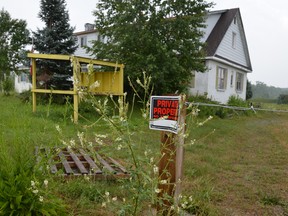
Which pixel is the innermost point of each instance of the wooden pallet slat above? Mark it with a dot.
(118, 165)
(77, 162)
(106, 165)
(65, 163)
(92, 164)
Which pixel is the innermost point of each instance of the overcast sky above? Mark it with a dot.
(265, 23)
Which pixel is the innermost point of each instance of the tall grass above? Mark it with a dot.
(231, 166)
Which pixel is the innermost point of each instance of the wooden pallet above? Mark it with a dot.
(73, 162)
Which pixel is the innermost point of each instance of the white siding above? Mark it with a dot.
(205, 83)
(22, 83)
(225, 48)
(81, 51)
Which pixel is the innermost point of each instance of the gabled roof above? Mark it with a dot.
(218, 32)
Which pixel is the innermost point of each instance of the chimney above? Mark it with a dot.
(89, 27)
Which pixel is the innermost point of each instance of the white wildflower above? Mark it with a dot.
(103, 204)
(144, 115)
(118, 139)
(114, 199)
(155, 169)
(46, 182)
(96, 84)
(72, 142)
(41, 198)
(145, 153)
(101, 135)
(164, 181)
(200, 124)
(119, 147)
(35, 191)
(157, 190)
(107, 193)
(151, 160)
(138, 81)
(192, 142)
(32, 183)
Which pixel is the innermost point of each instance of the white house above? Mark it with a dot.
(85, 39)
(21, 80)
(227, 56)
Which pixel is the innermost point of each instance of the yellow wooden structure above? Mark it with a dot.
(107, 82)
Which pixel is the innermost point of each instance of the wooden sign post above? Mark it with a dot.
(167, 113)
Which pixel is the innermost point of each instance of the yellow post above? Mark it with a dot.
(33, 70)
(76, 102)
(76, 72)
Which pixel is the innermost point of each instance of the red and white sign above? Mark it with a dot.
(164, 113)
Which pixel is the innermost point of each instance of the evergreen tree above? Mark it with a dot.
(249, 93)
(13, 38)
(161, 37)
(56, 37)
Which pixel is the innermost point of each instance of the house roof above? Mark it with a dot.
(218, 32)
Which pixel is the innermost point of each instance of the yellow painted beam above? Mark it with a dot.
(54, 91)
(48, 56)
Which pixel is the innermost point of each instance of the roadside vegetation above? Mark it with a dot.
(233, 166)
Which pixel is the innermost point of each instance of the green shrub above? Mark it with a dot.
(7, 85)
(24, 191)
(206, 111)
(236, 101)
(282, 99)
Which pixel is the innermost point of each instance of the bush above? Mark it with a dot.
(206, 111)
(24, 191)
(282, 99)
(7, 85)
(236, 101)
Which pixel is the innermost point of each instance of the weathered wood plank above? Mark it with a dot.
(105, 164)
(92, 164)
(78, 163)
(118, 165)
(65, 163)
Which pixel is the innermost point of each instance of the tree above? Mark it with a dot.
(13, 38)
(56, 37)
(249, 93)
(160, 37)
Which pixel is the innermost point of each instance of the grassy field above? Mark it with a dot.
(233, 166)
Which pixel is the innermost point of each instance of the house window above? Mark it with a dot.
(221, 78)
(231, 79)
(235, 20)
(23, 78)
(234, 40)
(239, 82)
(83, 41)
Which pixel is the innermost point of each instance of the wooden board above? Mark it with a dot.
(72, 162)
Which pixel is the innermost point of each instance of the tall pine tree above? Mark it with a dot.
(56, 37)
